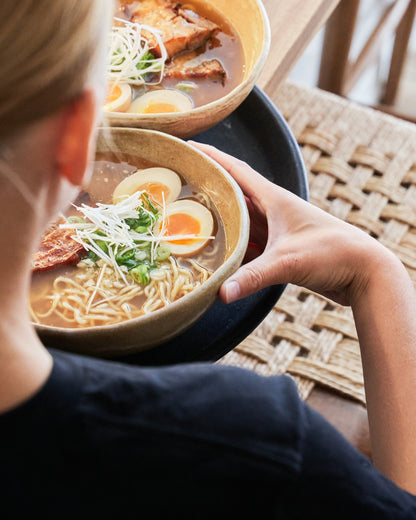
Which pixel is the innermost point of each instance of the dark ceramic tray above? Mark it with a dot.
(258, 134)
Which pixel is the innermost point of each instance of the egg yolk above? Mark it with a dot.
(159, 108)
(156, 191)
(182, 224)
(113, 94)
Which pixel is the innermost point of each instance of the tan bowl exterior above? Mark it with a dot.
(249, 19)
(160, 326)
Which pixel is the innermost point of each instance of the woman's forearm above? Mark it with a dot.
(385, 317)
(305, 246)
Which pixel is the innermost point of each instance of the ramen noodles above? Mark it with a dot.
(142, 237)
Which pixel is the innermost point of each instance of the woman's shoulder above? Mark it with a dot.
(209, 404)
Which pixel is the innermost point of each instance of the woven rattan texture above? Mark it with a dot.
(361, 167)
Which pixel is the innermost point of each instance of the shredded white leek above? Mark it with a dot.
(129, 50)
(107, 223)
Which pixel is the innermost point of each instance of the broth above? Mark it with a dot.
(225, 47)
(48, 286)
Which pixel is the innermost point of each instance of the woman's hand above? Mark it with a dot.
(303, 245)
(295, 242)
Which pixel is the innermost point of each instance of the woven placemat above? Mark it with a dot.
(361, 167)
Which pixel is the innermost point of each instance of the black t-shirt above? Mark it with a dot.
(109, 440)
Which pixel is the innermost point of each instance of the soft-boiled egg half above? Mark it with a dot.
(119, 97)
(186, 218)
(161, 102)
(161, 184)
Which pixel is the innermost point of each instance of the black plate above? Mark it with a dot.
(258, 134)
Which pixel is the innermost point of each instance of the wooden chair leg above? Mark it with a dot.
(403, 33)
(339, 32)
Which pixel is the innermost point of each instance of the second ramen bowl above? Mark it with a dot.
(249, 19)
(159, 326)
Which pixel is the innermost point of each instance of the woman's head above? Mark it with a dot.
(52, 58)
(50, 52)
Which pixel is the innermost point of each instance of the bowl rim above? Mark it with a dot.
(251, 78)
(225, 270)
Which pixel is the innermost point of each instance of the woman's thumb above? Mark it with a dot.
(249, 279)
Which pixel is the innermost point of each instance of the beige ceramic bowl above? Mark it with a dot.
(249, 19)
(155, 328)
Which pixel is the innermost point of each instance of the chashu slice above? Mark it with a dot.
(190, 66)
(181, 29)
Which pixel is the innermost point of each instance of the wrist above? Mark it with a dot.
(377, 269)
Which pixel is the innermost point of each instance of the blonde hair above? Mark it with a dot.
(49, 51)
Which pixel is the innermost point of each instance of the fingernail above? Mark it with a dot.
(232, 290)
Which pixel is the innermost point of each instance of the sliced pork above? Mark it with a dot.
(185, 67)
(182, 29)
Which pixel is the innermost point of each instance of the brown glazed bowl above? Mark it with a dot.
(249, 19)
(162, 325)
